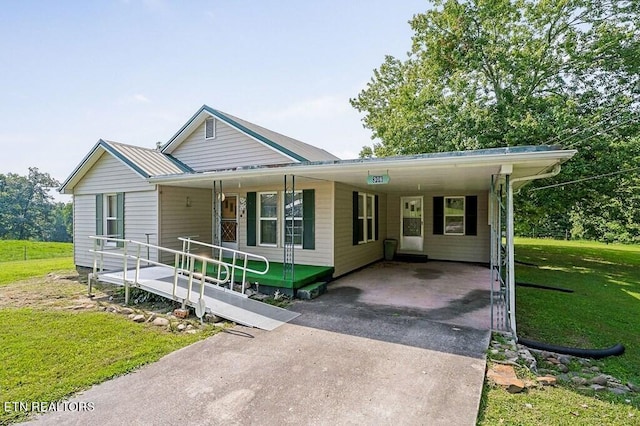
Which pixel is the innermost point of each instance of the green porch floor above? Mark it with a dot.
(303, 274)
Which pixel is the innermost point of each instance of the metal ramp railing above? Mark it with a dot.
(131, 251)
(235, 260)
(187, 279)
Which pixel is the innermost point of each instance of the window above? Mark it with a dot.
(454, 215)
(210, 128)
(364, 218)
(293, 214)
(268, 218)
(111, 215)
(262, 218)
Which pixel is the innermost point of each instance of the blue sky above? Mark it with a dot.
(133, 71)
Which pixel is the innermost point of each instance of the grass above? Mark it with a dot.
(48, 350)
(602, 311)
(11, 250)
(42, 258)
(49, 355)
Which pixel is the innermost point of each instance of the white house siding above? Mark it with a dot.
(84, 225)
(322, 255)
(177, 219)
(109, 175)
(464, 248)
(349, 257)
(229, 149)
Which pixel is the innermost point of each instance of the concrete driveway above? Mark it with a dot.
(345, 360)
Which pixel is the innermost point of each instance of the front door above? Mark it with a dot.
(411, 211)
(229, 222)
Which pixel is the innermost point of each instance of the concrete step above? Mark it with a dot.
(311, 291)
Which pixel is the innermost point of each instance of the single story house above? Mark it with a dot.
(234, 183)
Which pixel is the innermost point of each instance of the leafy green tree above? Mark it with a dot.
(25, 205)
(61, 223)
(492, 73)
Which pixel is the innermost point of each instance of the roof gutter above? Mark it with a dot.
(510, 234)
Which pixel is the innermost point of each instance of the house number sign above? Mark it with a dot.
(378, 179)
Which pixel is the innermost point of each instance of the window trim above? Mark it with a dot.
(364, 197)
(445, 215)
(259, 218)
(206, 122)
(106, 218)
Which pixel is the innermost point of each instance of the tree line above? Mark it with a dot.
(484, 74)
(28, 212)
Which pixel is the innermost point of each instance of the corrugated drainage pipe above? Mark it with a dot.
(617, 349)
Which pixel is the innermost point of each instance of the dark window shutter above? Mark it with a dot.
(99, 214)
(471, 215)
(355, 218)
(120, 218)
(438, 215)
(376, 210)
(251, 218)
(308, 219)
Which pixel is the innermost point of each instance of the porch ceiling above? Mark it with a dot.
(407, 174)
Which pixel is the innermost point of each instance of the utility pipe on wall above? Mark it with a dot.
(510, 234)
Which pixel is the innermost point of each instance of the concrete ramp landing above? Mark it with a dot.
(219, 301)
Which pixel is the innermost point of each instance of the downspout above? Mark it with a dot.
(510, 234)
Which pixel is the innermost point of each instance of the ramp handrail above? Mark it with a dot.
(235, 255)
(100, 242)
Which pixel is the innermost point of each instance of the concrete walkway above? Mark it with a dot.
(343, 361)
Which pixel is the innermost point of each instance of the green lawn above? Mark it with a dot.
(50, 352)
(27, 250)
(603, 310)
(22, 269)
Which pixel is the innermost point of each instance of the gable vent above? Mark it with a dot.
(210, 128)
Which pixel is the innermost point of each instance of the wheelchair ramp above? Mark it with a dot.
(218, 300)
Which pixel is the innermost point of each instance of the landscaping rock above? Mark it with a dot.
(563, 368)
(622, 390)
(633, 387)
(547, 380)
(161, 322)
(601, 380)
(564, 359)
(598, 388)
(212, 318)
(181, 327)
(505, 376)
(138, 318)
(578, 381)
(126, 311)
(181, 313)
(130, 316)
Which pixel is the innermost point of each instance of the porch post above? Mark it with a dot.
(217, 193)
(511, 284)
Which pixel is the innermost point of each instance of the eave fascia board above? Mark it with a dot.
(374, 164)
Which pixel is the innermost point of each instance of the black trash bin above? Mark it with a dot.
(390, 246)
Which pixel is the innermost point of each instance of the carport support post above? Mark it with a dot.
(511, 278)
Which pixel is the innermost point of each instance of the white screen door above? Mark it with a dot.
(411, 225)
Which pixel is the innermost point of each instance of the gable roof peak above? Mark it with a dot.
(296, 150)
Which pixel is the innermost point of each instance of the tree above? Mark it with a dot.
(491, 73)
(25, 205)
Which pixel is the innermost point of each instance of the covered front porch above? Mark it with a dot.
(337, 214)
